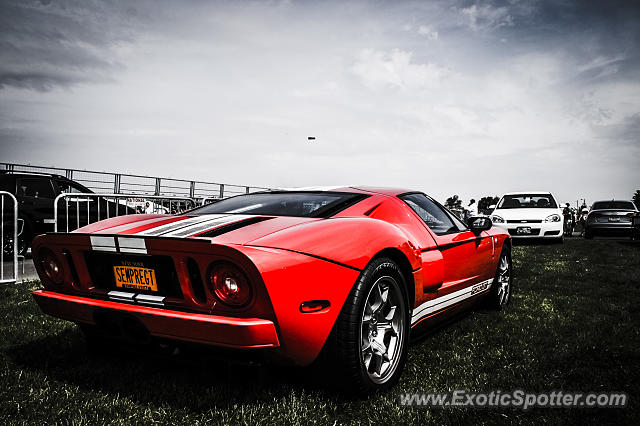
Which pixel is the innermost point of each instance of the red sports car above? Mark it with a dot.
(351, 271)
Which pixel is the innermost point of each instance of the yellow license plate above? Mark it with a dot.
(134, 277)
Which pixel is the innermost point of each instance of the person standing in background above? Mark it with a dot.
(472, 209)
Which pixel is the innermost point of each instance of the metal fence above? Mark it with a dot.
(9, 237)
(72, 211)
(120, 183)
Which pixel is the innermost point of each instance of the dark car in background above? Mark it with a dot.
(36, 193)
(613, 217)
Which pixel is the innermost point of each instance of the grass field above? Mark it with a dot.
(573, 324)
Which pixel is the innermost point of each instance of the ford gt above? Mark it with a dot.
(347, 272)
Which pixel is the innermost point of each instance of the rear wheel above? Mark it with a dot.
(372, 330)
(588, 233)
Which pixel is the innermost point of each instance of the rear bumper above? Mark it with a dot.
(613, 229)
(242, 333)
(610, 226)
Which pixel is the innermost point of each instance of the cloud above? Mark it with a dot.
(483, 17)
(50, 44)
(626, 130)
(428, 32)
(395, 69)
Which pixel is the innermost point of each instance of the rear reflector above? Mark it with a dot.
(72, 268)
(314, 306)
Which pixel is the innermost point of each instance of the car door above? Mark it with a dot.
(36, 196)
(466, 256)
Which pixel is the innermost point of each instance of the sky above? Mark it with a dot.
(466, 97)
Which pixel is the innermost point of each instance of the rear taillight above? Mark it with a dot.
(51, 265)
(229, 284)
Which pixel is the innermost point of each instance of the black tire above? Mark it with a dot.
(355, 356)
(496, 298)
(588, 233)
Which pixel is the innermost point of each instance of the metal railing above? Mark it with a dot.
(9, 236)
(122, 183)
(208, 200)
(76, 210)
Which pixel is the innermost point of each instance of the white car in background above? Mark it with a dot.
(533, 214)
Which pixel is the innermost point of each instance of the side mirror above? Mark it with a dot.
(478, 224)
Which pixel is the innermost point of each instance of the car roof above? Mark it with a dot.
(384, 191)
(350, 189)
(32, 174)
(527, 192)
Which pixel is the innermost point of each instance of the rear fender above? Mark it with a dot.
(293, 278)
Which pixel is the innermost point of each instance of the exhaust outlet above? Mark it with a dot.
(119, 326)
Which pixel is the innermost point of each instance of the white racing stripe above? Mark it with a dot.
(204, 226)
(128, 226)
(164, 229)
(442, 302)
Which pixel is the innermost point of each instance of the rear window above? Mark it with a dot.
(613, 205)
(527, 201)
(300, 204)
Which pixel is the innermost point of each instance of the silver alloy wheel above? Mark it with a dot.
(382, 329)
(504, 280)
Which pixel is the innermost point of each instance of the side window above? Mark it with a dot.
(35, 187)
(70, 187)
(6, 184)
(433, 215)
(461, 225)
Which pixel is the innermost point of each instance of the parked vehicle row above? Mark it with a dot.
(529, 215)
